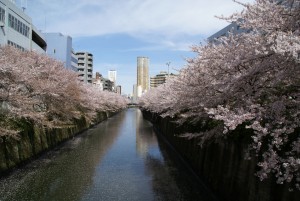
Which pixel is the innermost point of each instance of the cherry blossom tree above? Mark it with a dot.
(250, 80)
(37, 88)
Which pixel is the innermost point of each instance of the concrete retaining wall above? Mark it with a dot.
(221, 165)
(35, 140)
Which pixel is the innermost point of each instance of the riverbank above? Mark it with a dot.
(221, 164)
(35, 140)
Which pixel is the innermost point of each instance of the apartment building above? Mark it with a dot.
(85, 66)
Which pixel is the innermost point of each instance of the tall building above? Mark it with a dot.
(59, 47)
(85, 66)
(74, 61)
(119, 89)
(112, 76)
(16, 29)
(158, 79)
(143, 73)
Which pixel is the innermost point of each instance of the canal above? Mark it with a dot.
(119, 159)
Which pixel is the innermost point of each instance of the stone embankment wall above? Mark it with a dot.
(35, 140)
(221, 165)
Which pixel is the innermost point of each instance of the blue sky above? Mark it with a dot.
(116, 32)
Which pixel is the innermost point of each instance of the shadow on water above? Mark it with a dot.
(172, 179)
(120, 159)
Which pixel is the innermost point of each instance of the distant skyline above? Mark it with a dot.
(117, 32)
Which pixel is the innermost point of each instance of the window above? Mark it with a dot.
(2, 15)
(15, 45)
(18, 25)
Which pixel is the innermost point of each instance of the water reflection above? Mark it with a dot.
(63, 174)
(145, 138)
(120, 159)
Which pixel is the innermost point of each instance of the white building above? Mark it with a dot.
(16, 29)
(59, 47)
(112, 76)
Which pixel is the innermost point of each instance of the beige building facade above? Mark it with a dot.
(143, 73)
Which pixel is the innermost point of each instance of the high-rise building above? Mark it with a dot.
(143, 73)
(118, 89)
(85, 66)
(74, 61)
(60, 48)
(112, 76)
(16, 29)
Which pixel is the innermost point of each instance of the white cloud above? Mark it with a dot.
(166, 28)
(167, 18)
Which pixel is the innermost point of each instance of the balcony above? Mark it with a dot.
(80, 54)
(81, 78)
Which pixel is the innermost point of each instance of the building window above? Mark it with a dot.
(2, 15)
(15, 45)
(18, 25)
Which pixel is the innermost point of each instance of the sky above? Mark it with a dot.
(116, 32)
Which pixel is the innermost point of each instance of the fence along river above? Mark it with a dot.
(119, 159)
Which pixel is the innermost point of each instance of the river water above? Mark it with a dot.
(119, 159)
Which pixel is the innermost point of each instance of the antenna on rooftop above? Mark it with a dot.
(23, 5)
(168, 64)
